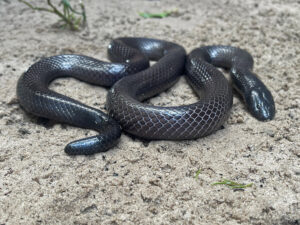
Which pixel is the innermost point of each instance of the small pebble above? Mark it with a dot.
(24, 131)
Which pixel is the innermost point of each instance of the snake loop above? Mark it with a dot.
(134, 81)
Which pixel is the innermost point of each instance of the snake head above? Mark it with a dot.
(260, 103)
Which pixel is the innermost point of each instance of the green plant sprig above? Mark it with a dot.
(158, 15)
(233, 184)
(68, 14)
(197, 173)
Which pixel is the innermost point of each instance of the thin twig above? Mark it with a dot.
(64, 18)
(67, 15)
(36, 8)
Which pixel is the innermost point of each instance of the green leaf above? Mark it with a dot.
(232, 184)
(156, 15)
(197, 173)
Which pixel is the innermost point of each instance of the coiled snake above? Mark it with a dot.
(134, 81)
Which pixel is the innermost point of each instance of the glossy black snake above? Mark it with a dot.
(134, 81)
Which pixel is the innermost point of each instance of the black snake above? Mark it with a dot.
(134, 81)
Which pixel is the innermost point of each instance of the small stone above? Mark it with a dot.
(271, 133)
(24, 131)
(13, 101)
(240, 119)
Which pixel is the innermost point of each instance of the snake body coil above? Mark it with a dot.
(134, 81)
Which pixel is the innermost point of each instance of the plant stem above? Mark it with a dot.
(36, 8)
(66, 15)
(64, 18)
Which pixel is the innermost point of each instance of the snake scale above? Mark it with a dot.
(133, 80)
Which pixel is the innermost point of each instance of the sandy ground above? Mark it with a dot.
(153, 182)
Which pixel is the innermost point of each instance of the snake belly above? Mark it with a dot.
(134, 81)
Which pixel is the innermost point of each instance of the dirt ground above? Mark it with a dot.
(154, 182)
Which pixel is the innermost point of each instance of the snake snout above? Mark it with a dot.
(261, 104)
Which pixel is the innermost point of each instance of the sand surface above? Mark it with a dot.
(153, 182)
